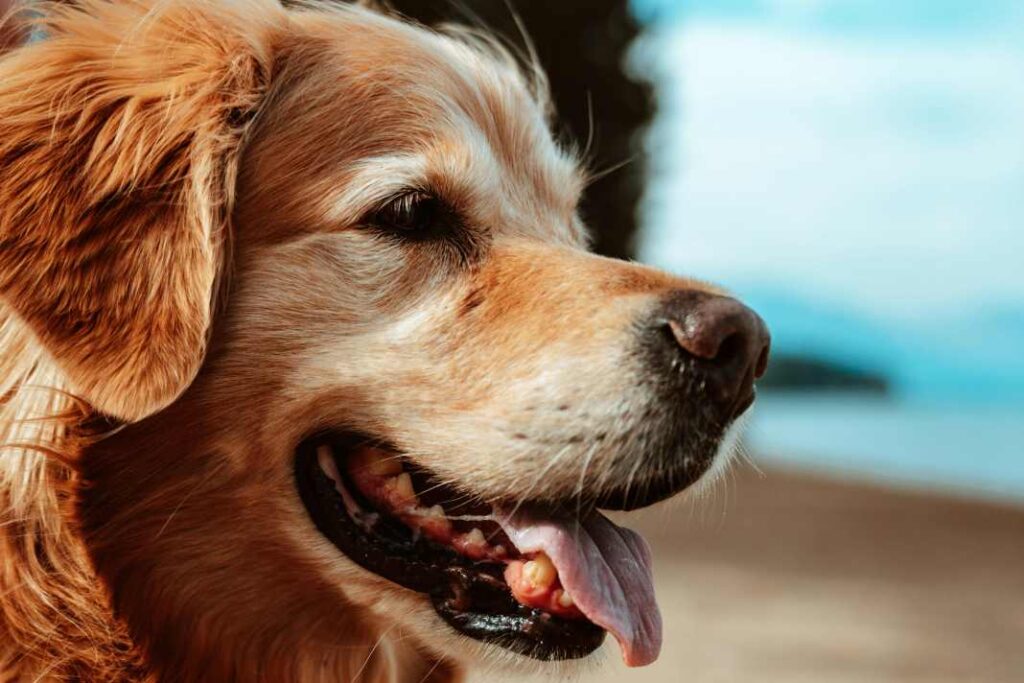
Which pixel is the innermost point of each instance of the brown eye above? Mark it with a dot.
(411, 214)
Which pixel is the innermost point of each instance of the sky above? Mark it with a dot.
(855, 169)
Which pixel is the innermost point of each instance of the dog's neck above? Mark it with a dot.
(55, 623)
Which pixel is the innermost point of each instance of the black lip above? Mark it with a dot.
(646, 493)
(678, 476)
(470, 596)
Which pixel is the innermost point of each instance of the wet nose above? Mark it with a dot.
(725, 343)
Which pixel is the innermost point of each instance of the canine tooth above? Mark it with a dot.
(565, 600)
(500, 550)
(476, 537)
(436, 511)
(403, 486)
(540, 571)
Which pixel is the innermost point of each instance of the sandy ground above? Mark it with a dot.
(792, 578)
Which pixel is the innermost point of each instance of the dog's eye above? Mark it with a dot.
(413, 214)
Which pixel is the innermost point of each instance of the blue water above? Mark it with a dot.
(974, 450)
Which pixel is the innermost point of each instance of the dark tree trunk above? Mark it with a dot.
(582, 45)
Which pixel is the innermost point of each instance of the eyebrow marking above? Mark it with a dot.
(373, 181)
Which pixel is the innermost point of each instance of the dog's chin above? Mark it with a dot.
(484, 566)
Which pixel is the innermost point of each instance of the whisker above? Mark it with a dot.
(543, 473)
(184, 499)
(370, 654)
(594, 177)
(582, 479)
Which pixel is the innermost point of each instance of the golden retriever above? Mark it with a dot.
(306, 373)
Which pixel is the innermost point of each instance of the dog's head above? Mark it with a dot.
(329, 268)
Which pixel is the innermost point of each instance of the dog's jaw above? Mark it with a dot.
(227, 580)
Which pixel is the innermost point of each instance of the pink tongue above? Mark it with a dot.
(605, 568)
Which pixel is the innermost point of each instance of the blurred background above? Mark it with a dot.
(854, 169)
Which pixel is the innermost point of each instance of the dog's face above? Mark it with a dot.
(409, 319)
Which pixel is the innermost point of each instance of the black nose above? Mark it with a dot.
(725, 343)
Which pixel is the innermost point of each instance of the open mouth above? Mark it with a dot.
(544, 584)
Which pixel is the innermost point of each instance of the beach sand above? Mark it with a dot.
(786, 577)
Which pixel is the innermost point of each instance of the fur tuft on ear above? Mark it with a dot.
(120, 132)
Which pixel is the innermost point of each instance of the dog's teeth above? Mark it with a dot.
(565, 600)
(437, 511)
(402, 484)
(476, 537)
(500, 550)
(540, 571)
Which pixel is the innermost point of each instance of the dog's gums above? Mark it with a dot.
(487, 569)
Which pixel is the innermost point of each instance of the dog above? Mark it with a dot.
(306, 372)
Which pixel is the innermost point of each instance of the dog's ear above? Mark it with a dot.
(119, 136)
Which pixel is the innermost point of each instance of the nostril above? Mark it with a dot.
(725, 343)
(697, 338)
(731, 348)
(709, 340)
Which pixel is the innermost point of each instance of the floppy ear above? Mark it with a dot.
(119, 140)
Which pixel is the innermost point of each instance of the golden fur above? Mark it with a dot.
(185, 293)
